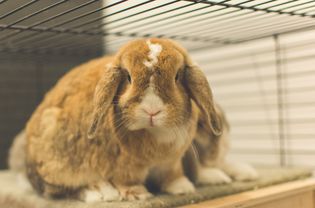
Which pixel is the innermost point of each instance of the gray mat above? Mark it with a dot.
(9, 187)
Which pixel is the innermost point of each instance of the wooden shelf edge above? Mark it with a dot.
(251, 198)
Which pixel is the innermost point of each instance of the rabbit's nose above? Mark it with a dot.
(152, 113)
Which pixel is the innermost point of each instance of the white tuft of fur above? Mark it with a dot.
(212, 176)
(109, 192)
(91, 196)
(155, 50)
(103, 192)
(240, 171)
(23, 183)
(180, 186)
(17, 154)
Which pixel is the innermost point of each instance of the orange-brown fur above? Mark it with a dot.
(211, 148)
(208, 149)
(206, 161)
(77, 137)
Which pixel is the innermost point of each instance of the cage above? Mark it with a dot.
(258, 56)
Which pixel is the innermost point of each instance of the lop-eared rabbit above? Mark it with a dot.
(109, 122)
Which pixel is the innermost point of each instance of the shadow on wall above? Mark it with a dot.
(23, 82)
(26, 76)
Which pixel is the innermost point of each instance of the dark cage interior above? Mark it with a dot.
(41, 40)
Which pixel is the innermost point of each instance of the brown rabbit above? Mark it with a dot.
(206, 163)
(108, 122)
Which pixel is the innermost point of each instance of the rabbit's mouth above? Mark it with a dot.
(147, 120)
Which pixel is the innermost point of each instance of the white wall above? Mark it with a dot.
(243, 78)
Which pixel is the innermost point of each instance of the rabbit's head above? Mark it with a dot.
(151, 83)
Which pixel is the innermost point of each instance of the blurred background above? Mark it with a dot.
(259, 57)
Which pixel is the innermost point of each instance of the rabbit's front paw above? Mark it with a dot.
(212, 176)
(91, 196)
(100, 192)
(132, 193)
(180, 186)
(241, 171)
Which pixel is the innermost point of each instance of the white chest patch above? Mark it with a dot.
(155, 50)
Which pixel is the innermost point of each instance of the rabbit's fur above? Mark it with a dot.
(95, 136)
(206, 163)
(16, 159)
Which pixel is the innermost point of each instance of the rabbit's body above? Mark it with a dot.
(54, 131)
(211, 165)
(90, 134)
(16, 159)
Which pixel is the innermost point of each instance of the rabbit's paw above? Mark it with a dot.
(131, 193)
(212, 176)
(100, 192)
(90, 196)
(180, 186)
(241, 171)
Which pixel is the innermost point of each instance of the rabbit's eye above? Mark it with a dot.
(129, 78)
(176, 77)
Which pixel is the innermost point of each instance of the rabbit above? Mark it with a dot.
(110, 122)
(16, 159)
(205, 162)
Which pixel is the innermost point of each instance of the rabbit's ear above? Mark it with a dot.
(199, 90)
(104, 94)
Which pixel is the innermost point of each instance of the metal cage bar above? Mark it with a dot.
(217, 22)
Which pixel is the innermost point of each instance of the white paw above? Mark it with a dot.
(90, 196)
(108, 192)
(212, 176)
(241, 171)
(180, 186)
(102, 192)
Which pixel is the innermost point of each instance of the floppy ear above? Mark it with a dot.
(199, 90)
(104, 94)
